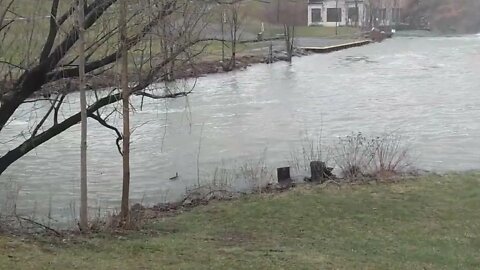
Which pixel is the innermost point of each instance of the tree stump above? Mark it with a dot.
(283, 174)
(320, 171)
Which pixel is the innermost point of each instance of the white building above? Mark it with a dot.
(353, 12)
(335, 12)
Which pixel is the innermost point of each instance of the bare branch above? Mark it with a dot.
(57, 109)
(104, 123)
(40, 124)
(167, 96)
(40, 225)
(52, 32)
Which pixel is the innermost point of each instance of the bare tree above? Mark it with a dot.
(83, 116)
(336, 19)
(126, 110)
(234, 21)
(357, 14)
(51, 70)
(374, 10)
(289, 33)
(223, 21)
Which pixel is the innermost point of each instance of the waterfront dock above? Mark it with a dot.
(336, 47)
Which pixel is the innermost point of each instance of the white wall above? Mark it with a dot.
(315, 6)
(332, 4)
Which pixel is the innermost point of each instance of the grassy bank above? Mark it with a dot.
(430, 223)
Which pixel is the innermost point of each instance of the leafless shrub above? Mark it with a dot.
(223, 178)
(14, 223)
(11, 194)
(358, 156)
(256, 174)
(9, 206)
(102, 220)
(353, 155)
(391, 156)
(311, 148)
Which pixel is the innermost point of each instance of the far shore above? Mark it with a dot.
(203, 67)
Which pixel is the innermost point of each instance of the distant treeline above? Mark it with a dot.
(460, 16)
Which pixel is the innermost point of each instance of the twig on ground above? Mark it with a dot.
(40, 225)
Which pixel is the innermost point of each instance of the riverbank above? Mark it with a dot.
(200, 69)
(210, 63)
(427, 223)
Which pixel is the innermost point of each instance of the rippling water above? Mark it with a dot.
(426, 89)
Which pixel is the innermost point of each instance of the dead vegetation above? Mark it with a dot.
(358, 156)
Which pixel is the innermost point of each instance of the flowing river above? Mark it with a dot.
(425, 89)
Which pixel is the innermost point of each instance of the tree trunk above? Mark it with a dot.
(289, 32)
(235, 27)
(223, 36)
(336, 19)
(357, 16)
(83, 115)
(126, 113)
(278, 11)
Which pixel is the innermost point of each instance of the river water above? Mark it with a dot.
(425, 89)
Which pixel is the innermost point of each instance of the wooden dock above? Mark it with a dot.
(335, 48)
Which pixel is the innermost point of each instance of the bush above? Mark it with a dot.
(358, 156)
(310, 149)
(353, 155)
(390, 156)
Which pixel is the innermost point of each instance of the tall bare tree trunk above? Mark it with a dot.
(83, 113)
(234, 36)
(278, 11)
(357, 14)
(126, 112)
(232, 17)
(336, 20)
(289, 33)
(223, 35)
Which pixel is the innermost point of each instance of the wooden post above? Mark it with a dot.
(270, 53)
(318, 170)
(283, 174)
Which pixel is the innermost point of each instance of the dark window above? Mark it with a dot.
(353, 14)
(316, 15)
(334, 15)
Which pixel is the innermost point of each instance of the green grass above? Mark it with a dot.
(213, 51)
(432, 223)
(253, 25)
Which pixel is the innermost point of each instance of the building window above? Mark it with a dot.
(316, 15)
(353, 14)
(334, 15)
